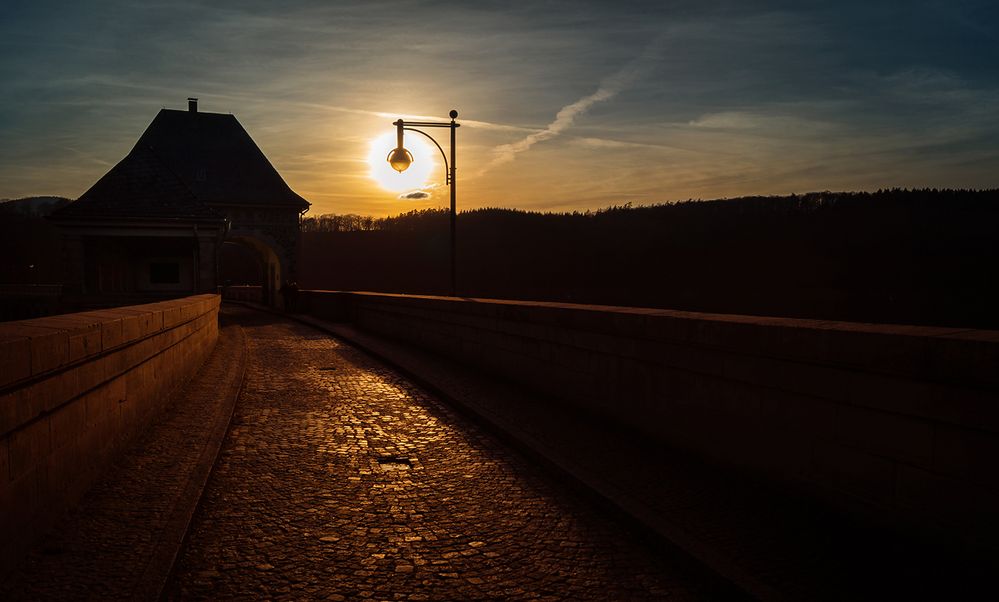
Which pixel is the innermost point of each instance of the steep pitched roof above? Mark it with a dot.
(139, 186)
(185, 162)
(217, 160)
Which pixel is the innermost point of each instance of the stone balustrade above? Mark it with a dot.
(77, 388)
(897, 423)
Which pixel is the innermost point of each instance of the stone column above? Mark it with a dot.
(73, 276)
(207, 260)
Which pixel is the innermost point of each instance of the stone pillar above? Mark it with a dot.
(207, 262)
(73, 277)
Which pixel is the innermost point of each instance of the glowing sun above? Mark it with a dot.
(413, 178)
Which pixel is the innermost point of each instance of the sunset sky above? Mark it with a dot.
(564, 104)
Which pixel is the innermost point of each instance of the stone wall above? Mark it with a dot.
(899, 423)
(75, 389)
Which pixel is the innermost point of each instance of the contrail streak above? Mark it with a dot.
(564, 119)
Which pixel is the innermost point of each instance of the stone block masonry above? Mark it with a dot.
(899, 424)
(74, 390)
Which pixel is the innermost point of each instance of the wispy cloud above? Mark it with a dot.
(609, 88)
(482, 125)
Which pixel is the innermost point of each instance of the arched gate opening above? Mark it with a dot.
(247, 262)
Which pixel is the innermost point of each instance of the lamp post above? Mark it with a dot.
(400, 159)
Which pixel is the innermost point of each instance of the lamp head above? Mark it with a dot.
(400, 159)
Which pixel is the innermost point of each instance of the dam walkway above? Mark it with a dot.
(339, 479)
(308, 460)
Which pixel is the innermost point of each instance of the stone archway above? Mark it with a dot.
(271, 232)
(273, 267)
(240, 265)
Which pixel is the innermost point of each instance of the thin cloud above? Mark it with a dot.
(567, 115)
(423, 192)
(484, 125)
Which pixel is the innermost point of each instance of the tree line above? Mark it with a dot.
(924, 256)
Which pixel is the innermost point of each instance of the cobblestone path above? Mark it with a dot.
(341, 480)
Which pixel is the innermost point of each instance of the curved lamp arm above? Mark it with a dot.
(447, 170)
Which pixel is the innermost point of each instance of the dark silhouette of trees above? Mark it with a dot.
(897, 256)
(894, 256)
(30, 246)
(350, 222)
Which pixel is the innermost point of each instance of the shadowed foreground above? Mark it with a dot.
(120, 540)
(341, 480)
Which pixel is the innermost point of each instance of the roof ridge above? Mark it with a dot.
(217, 159)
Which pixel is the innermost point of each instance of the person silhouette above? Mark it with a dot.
(289, 291)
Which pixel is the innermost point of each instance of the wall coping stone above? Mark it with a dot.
(894, 329)
(963, 357)
(48, 338)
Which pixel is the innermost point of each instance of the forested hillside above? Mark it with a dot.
(902, 256)
(30, 245)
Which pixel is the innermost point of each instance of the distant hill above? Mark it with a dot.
(32, 206)
(30, 247)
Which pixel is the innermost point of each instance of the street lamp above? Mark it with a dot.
(400, 159)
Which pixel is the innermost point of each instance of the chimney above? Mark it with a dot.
(192, 105)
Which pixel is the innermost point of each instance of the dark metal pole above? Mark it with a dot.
(454, 215)
(451, 172)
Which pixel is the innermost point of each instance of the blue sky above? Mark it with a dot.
(565, 105)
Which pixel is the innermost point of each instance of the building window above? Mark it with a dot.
(164, 273)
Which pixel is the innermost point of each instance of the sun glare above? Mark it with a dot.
(413, 178)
